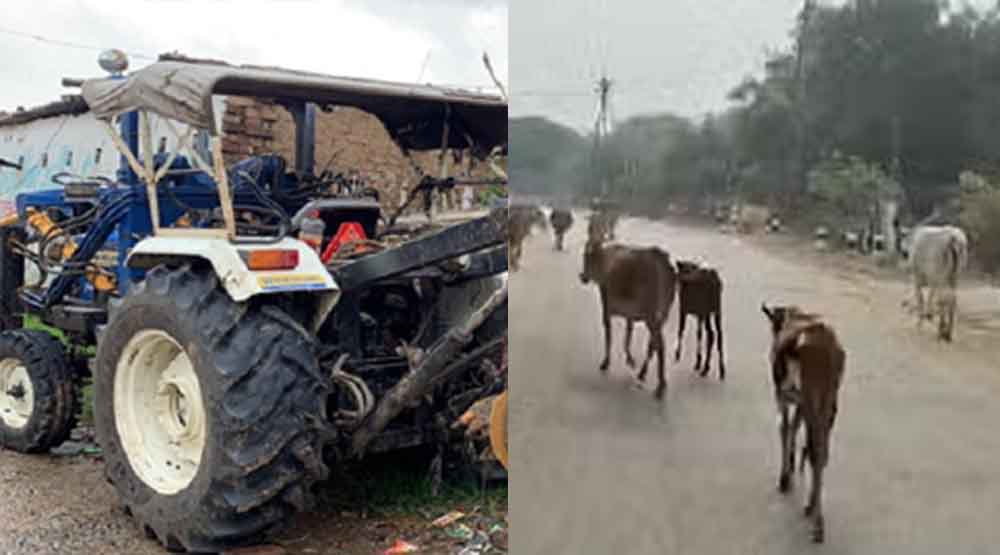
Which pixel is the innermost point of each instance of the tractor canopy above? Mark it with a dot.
(418, 117)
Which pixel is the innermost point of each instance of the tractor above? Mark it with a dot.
(246, 326)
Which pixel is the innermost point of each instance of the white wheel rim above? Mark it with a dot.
(17, 394)
(159, 411)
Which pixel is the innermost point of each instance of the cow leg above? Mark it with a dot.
(818, 438)
(680, 335)
(650, 351)
(946, 315)
(931, 303)
(718, 330)
(515, 256)
(786, 431)
(700, 325)
(952, 307)
(606, 319)
(629, 359)
(709, 343)
(921, 302)
(656, 339)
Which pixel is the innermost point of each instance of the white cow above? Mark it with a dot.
(938, 254)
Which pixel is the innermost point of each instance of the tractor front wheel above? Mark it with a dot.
(38, 397)
(208, 412)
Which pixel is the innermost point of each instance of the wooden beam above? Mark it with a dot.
(146, 137)
(222, 183)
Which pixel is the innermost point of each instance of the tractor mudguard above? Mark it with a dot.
(237, 279)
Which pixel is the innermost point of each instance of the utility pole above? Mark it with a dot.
(801, 95)
(601, 130)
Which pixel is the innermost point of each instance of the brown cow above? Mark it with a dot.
(522, 219)
(700, 294)
(637, 284)
(807, 366)
(561, 220)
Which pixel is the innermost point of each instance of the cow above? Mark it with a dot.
(937, 255)
(700, 295)
(638, 284)
(749, 218)
(807, 367)
(523, 218)
(601, 227)
(604, 218)
(561, 220)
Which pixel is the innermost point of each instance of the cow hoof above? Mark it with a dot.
(604, 366)
(808, 511)
(630, 362)
(785, 484)
(660, 391)
(818, 534)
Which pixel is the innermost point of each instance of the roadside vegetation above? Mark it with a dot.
(870, 99)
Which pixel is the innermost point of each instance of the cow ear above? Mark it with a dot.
(767, 312)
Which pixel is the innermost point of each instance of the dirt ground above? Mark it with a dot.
(56, 505)
(603, 468)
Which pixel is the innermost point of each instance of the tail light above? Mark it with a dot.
(271, 259)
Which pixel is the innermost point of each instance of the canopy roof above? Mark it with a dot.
(413, 114)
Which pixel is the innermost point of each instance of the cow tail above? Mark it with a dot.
(955, 259)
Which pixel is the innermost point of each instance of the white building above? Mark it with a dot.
(64, 137)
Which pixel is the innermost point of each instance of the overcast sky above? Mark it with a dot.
(679, 56)
(387, 39)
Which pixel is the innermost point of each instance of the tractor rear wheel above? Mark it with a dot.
(38, 397)
(208, 411)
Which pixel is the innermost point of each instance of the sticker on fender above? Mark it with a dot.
(278, 282)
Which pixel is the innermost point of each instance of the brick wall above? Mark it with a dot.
(348, 141)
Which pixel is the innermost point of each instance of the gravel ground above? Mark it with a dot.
(56, 505)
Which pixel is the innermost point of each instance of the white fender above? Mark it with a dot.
(240, 282)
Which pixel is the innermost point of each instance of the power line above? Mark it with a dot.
(67, 44)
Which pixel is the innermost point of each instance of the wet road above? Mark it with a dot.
(601, 468)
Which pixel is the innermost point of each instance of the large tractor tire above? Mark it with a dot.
(38, 397)
(210, 412)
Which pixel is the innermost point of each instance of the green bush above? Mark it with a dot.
(980, 217)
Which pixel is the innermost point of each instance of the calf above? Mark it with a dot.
(807, 365)
(637, 284)
(938, 254)
(700, 295)
(561, 221)
(522, 219)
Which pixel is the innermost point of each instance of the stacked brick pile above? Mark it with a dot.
(348, 141)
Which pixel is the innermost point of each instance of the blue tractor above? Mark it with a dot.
(245, 326)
